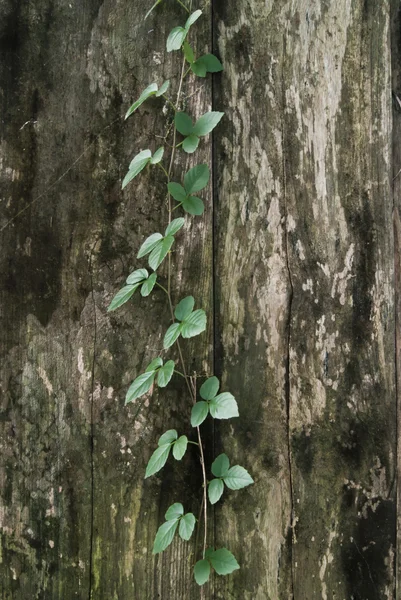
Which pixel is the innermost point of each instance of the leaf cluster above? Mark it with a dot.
(222, 561)
(190, 322)
(235, 478)
(221, 406)
(175, 518)
(167, 441)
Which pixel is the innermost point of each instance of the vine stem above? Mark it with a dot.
(202, 461)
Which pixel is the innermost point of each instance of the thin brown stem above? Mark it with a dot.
(202, 461)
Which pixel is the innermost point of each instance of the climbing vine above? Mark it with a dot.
(186, 321)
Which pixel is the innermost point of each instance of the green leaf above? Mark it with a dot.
(199, 69)
(199, 412)
(224, 406)
(138, 163)
(152, 9)
(183, 123)
(149, 91)
(176, 38)
(149, 284)
(163, 88)
(237, 478)
(206, 123)
(194, 324)
(196, 179)
(192, 18)
(177, 191)
(211, 63)
(174, 226)
(209, 388)
(187, 525)
(122, 296)
(158, 155)
(223, 561)
(165, 535)
(220, 465)
(184, 308)
(180, 447)
(160, 252)
(157, 460)
(215, 490)
(202, 571)
(175, 511)
(190, 144)
(193, 205)
(137, 276)
(149, 244)
(168, 437)
(140, 386)
(165, 373)
(155, 364)
(188, 52)
(172, 334)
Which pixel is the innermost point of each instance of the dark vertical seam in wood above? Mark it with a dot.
(92, 469)
(289, 308)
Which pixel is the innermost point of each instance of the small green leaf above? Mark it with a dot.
(152, 9)
(148, 285)
(190, 144)
(220, 465)
(160, 252)
(180, 447)
(199, 412)
(175, 511)
(174, 226)
(158, 155)
(122, 296)
(194, 324)
(223, 561)
(149, 244)
(165, 535)
(149, 91)
(137, 276)
(187, 525)
(237, 478)
(168, 437)
(202, 571)
(183, 123)
(209, 388)
(192, 18)
(157, 460)
(165, 373)
(193, 205)
(206, 123)
(215, 490)
(177, 191)
(184, 308)
(224, 406)
(155, 364)
(163, 88)
(199, 69)
(211, 63)
(176, 38)
(140, 386)
(188, 52)
(196, 179)
(137, 164)
(172, 334)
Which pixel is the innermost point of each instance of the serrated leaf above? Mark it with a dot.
(175, 511)
(177, 191)
(223, 561)
(180, 447)
(193, 205)
(140, 386)
(196, 179)
(158, 155)
(190, 144)
(174, 226)
(224, 406)
(137, 276)
(165, 373)
(168, 437)
(202, 571)
(207, 122)
(163, 88)
(165, 535)
(192, 18)
(148, 285)
(137, 164)
(176, 38)
(237, 478)
(187, 525)
(184, 308)
(183, 123)
(152, 9)
(215, 490)
(199, 69)
(122, 296)
(211, 63)
(194, 324)
(149, 91)
(199, 412)
(220, 465)
(155, 364)
(188, 52)
(172, 334)
(157, 460)
(149, 244)
(160, 252)
(209, 388)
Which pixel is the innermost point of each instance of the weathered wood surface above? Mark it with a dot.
(294, 261)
